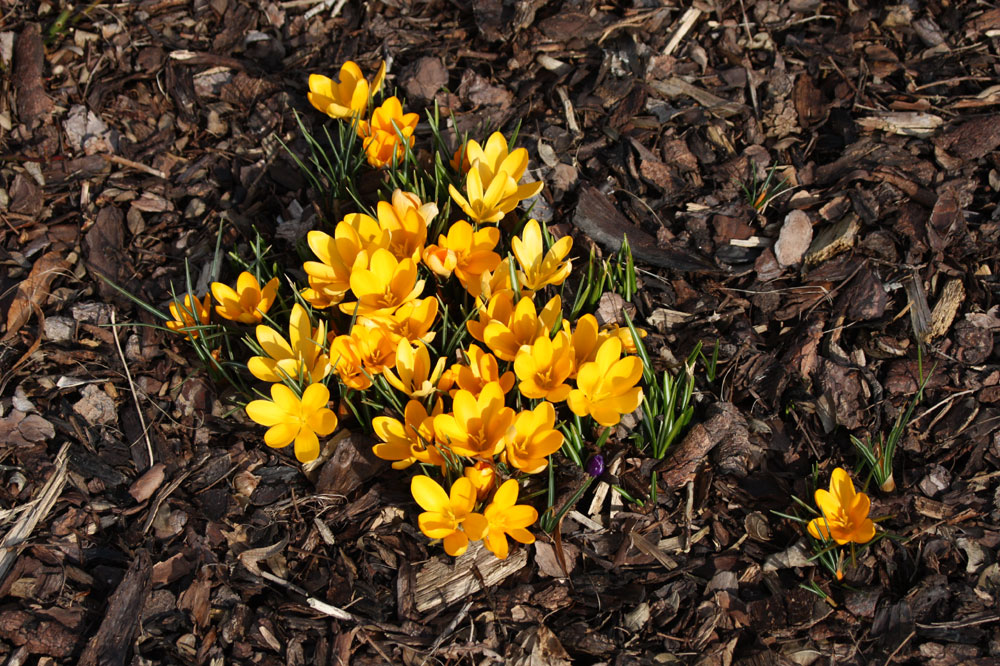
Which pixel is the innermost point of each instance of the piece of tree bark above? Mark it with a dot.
(111, 645)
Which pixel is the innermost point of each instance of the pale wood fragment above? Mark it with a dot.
(946, 308)
(41, 506)
(442, 582)
(833, 240)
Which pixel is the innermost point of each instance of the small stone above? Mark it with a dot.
(794, 239)
(60, 329)
(96, 406)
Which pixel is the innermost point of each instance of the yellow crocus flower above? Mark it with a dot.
(482, 368)
(606, 387)
(447, 517)
(302, 355)
(405, 219)
(466, 252)
(375, 346)
(290, 419)
(533, 439)
(845, 512)
(346, 360)
(505, 517)
(355, 237)
(384, 286)
(491, 183)
(477, 425)
(408, 441)
(184, 315)
(413, 320)
(539, 268)
(483, 477)
(348, 97)
(383, 138)
(248, 303)
(414, 375)
(544, 366)
(505, 338)
(586, 338)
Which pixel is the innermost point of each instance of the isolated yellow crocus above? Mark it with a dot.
(290, 419)
(606, 387)
(505, 517)
(384, 286)
(184, 315)
(533, 439)
(505, 338)
(248, 303)
(386, 138)
(301, 356)
(414, 375)
(845, 512)
(477, 425)
(538, 267)
(544, 366)
(447, 517)
(347, 97)
(408, 441)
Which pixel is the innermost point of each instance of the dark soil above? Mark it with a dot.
(131, 133)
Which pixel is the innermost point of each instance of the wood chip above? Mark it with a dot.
(945, 309)
(442, 582)
(833, 240)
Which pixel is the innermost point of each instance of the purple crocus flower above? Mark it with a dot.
(595, 466)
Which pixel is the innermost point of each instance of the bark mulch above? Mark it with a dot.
(131, 133)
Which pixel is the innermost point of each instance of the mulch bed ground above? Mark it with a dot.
(132, 133)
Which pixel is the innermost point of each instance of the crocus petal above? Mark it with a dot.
(306, 446)
(315, 397)
(281, 435)
(456, 543)
(265, 412)
(429, 495)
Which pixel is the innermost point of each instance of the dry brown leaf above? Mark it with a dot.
(33, 291)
